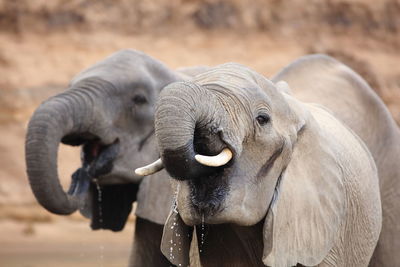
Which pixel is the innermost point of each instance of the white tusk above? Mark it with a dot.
(152, 168)
(215, 161)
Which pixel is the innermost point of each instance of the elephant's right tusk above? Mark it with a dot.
(215, 161)
(152, 168)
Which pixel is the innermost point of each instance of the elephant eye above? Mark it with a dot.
(139, 100)
(263, 119)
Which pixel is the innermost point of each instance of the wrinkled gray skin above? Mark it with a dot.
(301, 188)
(108, 109)
(324, 80)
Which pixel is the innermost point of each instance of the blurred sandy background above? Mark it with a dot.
(43, 44)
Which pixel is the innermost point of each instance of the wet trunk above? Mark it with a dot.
(59, 116)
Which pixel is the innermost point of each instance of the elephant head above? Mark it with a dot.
(109, 111)
(241, 150)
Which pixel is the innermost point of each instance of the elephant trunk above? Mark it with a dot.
(57, 117)
(185, 126)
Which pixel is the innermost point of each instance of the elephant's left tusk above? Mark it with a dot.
(215, 161)
(152, 168)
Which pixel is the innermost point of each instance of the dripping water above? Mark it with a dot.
(174, 227)
(99, 200)
(175, 200)
(201, 233)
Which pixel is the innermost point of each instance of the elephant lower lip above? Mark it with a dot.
(206, 209)
(207, 194)
(97, 157)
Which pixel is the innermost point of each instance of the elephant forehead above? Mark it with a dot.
(237, 79)
(230, 78)
(117, 75)
(128, 68)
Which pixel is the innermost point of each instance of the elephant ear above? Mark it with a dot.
(154, 199)
(305, 216)
(111, 205)
(176, 240)
(284, 87)
(108, 206)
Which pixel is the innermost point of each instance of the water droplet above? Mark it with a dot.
(175, 200)
(202, 234)
(99, 200)
(101, 255)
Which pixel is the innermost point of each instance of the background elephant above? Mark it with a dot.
(109, 111)
(324, 80)
(291, 185)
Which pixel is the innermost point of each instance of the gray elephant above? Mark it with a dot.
(109, 111)
(324, 80)
(265, 178)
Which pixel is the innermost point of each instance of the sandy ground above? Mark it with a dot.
(37, 66)
(63, 243)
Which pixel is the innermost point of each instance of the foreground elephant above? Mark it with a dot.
(289, 183)
(109, 111)
(323, 80)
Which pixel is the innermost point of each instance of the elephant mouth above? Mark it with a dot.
(97, 159)
(207, 194)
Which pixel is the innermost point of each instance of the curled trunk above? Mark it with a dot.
(184, 116)
(57, 117)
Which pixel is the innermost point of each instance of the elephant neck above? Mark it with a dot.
(230, 245)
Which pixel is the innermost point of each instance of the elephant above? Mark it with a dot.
(264, 178)
(108, 110)
(324, 80)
